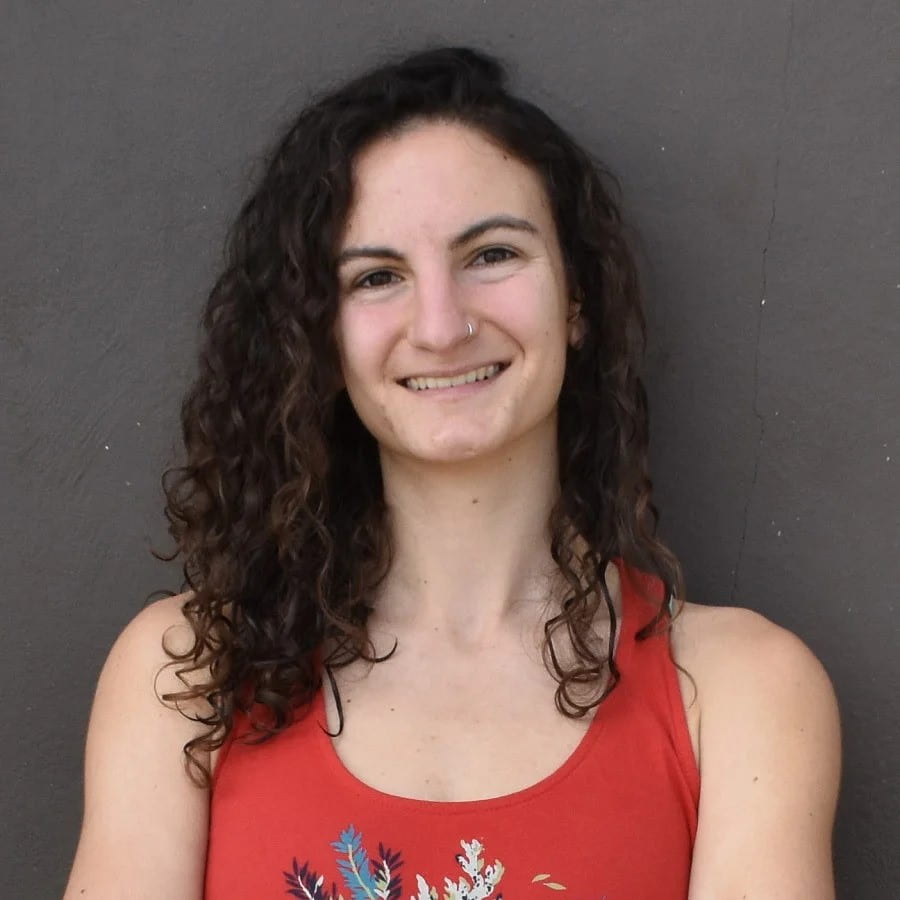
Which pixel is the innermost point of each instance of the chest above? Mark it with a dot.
(450, 733)
(452, 740)
(430, 736)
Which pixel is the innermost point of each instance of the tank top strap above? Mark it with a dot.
(641, 595)
(648, 670)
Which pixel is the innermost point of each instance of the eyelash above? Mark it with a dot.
(360, 282)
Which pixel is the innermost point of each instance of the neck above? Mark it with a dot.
(471, 543)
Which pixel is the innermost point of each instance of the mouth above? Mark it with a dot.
(432, 383)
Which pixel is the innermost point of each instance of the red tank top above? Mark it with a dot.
(616, 821)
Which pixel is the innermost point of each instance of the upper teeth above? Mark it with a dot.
(424, 384)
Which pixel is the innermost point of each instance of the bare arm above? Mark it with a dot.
(145, 823)
(770, 765)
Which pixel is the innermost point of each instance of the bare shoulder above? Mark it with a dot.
(159, 625)
(769, 755)
(729, 647)
(139, 670)
(144, 821)
(144, 633)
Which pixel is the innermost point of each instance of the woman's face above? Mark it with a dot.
(445, 229)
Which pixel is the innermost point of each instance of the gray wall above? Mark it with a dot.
(758, 146)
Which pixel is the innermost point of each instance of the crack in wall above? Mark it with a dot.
(762, 301)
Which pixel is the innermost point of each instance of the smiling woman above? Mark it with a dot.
(451, 201)
(427, 607)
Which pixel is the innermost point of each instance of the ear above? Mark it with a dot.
(577, 325)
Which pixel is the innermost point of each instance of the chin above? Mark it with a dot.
(454, 452)
(453, 448)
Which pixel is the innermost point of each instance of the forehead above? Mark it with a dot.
(439, 177)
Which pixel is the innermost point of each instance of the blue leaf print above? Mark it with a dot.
(355, 868)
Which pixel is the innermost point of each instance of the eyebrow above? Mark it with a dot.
(464, 237)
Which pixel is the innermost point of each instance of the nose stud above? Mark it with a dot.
(470, 330)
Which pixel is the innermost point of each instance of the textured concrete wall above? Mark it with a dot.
(758, 147)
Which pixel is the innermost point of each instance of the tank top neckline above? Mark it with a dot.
(336, 769)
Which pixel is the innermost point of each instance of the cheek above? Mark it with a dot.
(533, 314)
(363, 341)
(534, 295)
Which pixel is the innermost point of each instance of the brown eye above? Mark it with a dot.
(375, 279)
(494, 255)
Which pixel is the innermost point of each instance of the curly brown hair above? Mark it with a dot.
(278, 512)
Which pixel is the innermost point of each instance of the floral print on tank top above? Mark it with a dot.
(380, 878)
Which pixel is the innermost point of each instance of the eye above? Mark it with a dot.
(381, 278)
(377, 279)
(490, 255)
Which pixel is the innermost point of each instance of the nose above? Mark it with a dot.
(438, 320)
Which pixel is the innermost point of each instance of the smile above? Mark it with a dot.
(429, 383)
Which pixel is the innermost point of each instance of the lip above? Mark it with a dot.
(459, 390)
(452, 373)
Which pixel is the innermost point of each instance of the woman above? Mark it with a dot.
(416, 512)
